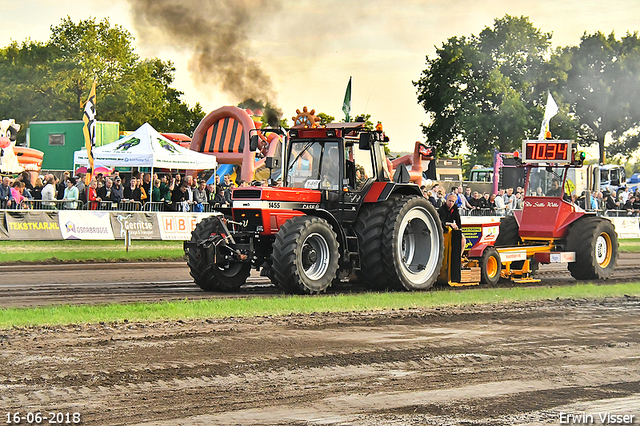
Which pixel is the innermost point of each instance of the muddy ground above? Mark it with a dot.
(488, 365)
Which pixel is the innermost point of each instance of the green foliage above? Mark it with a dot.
(51, 81)
(489, 90)
(603, 87)
(325, 119)
(485, 90)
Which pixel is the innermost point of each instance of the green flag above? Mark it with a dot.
(346, 104)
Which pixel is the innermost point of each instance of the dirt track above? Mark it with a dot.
(497, 365)
(54, 284)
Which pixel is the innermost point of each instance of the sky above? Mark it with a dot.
(302, 52)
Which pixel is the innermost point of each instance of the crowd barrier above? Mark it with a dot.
(126, 205)
(96, 225)
(55, 222)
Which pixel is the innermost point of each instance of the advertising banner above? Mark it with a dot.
(4, 234)
(141, 226)
(178, 226)
(626, 227)
(85, 225)
(33, 225)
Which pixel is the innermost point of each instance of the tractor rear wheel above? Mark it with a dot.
(369, 227)
(490, 266)
(413, 244)
(508, 235)
(207, 275)
(595, 242)
(305, 255)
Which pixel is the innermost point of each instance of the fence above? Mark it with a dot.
(128, 206)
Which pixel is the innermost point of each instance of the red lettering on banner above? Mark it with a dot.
(168, 224)
(182, 224)
(194, 222)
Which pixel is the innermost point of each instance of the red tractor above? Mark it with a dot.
(549, 228)
(337, 212)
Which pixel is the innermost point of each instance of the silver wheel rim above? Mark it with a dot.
(418, 246)
(601, 249)
(315, 256)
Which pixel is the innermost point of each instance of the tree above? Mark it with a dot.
(50, 81)
(486, 91)
(603, 88)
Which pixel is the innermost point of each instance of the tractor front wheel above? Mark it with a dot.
(490, 266)
(305, 255)
(595, 242)
(206, 274)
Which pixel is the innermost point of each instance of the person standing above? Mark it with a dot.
(117, 191)
(49, 193)
(199, 197)
(71, 195)
(6, 198)
(92, 195)
(450, 216)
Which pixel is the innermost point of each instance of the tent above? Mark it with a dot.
(146, 148)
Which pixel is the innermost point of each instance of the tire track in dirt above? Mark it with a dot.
(328, 366)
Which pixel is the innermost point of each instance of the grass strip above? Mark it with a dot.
(631, 245)
(284, 305)
(83, 250)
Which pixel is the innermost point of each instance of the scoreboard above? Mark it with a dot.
(546, 151)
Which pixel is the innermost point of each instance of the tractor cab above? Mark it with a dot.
(548, 206)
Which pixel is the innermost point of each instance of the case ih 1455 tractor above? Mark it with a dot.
(549, 228)
(324, 222)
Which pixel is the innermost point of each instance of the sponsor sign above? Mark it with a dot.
(472, 235)
(480, 234)
(626, 227)
(4, 234)
(85, 225)
(512, 256)
(33, 225)
(178, 226)
(141, 226)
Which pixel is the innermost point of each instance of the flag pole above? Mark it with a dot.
(89, 129)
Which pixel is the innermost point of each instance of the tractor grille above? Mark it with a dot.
(246, 194)
(252, 217)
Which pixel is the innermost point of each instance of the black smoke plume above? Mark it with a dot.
(218, 32)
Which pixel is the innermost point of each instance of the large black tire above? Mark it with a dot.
(490, 266)
(206, 274)
(369, 227)
(595, 242)
(413, 244)
(305, 255)
(508, 235)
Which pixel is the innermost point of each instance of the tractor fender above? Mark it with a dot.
(339, 230)
(381, 191)
(478, 249)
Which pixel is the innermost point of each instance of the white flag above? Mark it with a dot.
(550, 110)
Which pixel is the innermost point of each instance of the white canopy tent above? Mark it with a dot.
(146, 147)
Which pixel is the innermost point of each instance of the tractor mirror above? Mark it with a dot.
(365, 141)
(253, 142)
(272, 162)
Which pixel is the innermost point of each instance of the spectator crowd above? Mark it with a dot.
(474, 203)
(176, 192)
(138, 191)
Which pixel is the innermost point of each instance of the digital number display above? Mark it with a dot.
(558, 151)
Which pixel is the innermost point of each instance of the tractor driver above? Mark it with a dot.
(450, 216)
(555, 190)
(330, 169)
